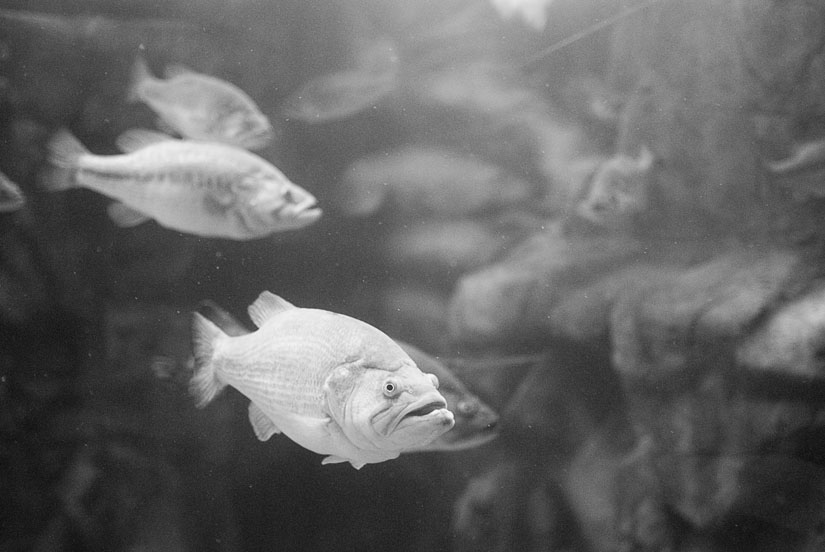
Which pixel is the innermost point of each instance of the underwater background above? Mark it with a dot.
(605, 217)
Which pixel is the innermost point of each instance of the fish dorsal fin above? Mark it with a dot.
(266, 306)
(139, 138)
(178, 70)
(124, 216)
(264, 427)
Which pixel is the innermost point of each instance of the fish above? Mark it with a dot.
(618, 191)
(475, 422)
(331, 383)
(11, 196)
(418, 181)
(201, 188)
(342, 94)
(201, 107)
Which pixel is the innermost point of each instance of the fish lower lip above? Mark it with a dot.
(426, 409)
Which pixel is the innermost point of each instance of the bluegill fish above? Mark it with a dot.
(201, 188)
(11, 196)
(475, 421)
(333, 384)
(201, 107)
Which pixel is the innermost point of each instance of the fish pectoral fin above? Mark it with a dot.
(138, 138)
(125, 216)
(266, 306)
(263, 426)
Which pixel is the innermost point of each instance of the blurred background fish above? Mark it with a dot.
(420, 180)
(342, 94)
(200, 107)
(201, 188)
(619, 191)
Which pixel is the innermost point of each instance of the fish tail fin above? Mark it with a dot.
(140, 75)
(65, 149)
(205, 384)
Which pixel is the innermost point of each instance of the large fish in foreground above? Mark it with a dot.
(201, 107)
(201, 188)
(475, 422)
(333, 384)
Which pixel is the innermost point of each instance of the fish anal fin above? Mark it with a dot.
(138, 138)
(125, 216)
(332, 459)
(263, 426)
(266, 306)
(165, 127)
(11, 196)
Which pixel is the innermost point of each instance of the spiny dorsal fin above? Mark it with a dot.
(138, 138)
(176, 70)
(266, 306)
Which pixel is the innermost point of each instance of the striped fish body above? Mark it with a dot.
(202, 188)
(186, 186)
(283, 366)
(331, 383)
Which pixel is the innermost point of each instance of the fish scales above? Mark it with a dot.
(270, 366)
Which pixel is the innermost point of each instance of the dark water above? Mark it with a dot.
(615, 244)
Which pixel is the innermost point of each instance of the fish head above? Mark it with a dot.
(393, 409)
(276, 204)
(247, 128)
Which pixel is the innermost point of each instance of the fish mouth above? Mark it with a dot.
(422, 408)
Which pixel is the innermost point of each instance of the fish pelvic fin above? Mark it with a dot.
(205, 384)
(140, 75)
(266, 306)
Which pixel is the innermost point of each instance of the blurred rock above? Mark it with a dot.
(511, 300)
(673, 322)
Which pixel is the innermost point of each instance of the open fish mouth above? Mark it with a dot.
(422, 408)
(426, 409)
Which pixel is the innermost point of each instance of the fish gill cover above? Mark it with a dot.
(603, 218)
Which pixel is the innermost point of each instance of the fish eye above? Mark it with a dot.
(467, 408)
(391, 388)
